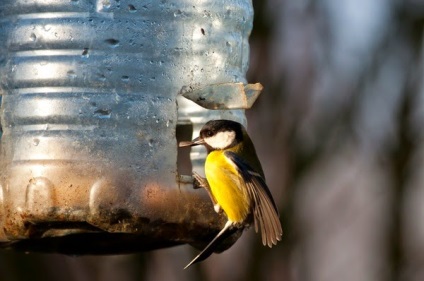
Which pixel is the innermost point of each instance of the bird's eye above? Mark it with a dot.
(209, 133)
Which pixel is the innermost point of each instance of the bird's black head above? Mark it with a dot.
(221, 134)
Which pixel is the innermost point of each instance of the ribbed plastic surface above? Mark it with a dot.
(89, 113)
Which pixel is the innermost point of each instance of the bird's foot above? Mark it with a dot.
(199, 181)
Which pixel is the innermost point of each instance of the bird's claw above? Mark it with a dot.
(199, 181)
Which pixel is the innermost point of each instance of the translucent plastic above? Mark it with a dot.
(89, 113)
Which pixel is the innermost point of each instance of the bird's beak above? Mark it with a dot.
(196, 141)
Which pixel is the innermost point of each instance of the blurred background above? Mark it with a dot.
(338, 130)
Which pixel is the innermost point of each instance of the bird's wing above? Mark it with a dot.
(226, 231)
(264, 209)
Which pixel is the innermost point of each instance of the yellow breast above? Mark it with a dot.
(227, 186)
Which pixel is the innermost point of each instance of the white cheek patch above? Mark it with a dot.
(221, 140)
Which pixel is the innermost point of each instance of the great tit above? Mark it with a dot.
(236, 184)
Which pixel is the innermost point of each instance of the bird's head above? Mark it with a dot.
(218, 135)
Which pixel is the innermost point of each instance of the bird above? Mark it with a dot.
(236, 184)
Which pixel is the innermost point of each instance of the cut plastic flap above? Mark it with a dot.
(223, 96)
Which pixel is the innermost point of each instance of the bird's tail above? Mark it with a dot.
(209, 249)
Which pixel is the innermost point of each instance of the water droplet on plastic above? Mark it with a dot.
(112, 42)
(71, 74)
(47, 27)
(178, 13)
(32, 37)
(35, 142)
(151, 142)
(101, 77)
(125, 78)
(131, 8)
(85, 53)
(102, 113)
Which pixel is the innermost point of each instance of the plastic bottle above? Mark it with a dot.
(89, 114)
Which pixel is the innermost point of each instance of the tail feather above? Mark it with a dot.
(209, 249)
